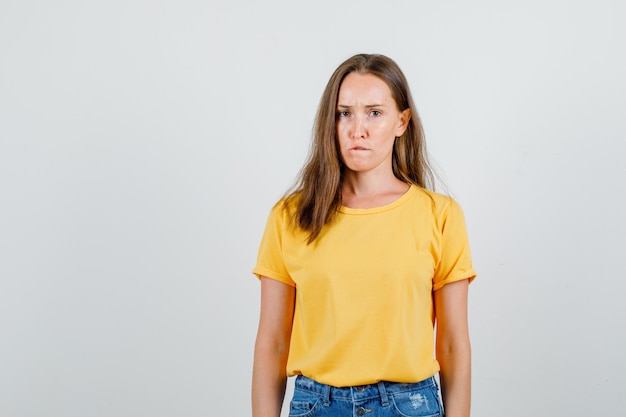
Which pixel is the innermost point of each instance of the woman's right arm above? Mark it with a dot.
(269, 375)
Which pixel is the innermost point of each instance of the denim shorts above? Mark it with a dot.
(383, 399)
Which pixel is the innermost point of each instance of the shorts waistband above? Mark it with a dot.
(376, 390)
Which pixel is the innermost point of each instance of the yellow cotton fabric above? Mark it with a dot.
(364, 310)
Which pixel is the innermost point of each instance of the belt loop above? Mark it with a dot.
(383, 394)
(326, 394)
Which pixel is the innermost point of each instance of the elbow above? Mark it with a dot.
(278, 350)
(272, 348)
(457, 347)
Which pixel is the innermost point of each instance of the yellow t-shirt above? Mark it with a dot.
(364, 310)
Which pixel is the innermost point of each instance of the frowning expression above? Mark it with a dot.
(368, 121)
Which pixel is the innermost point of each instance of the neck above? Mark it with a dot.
(363, 184)
(363, 190)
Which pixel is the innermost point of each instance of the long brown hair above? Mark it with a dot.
(317, 192)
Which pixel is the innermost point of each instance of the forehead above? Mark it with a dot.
(363, 88)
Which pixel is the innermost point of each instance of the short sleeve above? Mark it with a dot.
(270, 262)
(455, 260)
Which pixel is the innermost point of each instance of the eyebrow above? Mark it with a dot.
(343, 106)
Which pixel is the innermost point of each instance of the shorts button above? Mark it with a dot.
(361, 388)
(360, 411)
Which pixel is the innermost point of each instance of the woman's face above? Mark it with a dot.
(368, 121)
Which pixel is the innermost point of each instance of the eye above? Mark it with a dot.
(343, 113)
(375, 113)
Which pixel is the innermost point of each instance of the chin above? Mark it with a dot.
(358, 168)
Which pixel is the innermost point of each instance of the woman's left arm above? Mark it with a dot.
(453, 347)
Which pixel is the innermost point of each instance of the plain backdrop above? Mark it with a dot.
(143, 143)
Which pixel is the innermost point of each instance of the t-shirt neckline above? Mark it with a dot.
(372, 210)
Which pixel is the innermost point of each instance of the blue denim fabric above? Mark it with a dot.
(384, 399)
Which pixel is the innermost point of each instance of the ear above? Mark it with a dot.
(403, 122)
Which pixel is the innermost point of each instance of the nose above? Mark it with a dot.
(359, 128)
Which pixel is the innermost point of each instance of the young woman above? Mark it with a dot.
(360, 262)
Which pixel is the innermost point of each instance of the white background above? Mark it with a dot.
(143, 143)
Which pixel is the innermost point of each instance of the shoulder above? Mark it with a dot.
(287, 205)
(284, 210)
(443, 208)
(439, 203)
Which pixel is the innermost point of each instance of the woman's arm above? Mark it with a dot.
(269, 376)
(453, 348)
